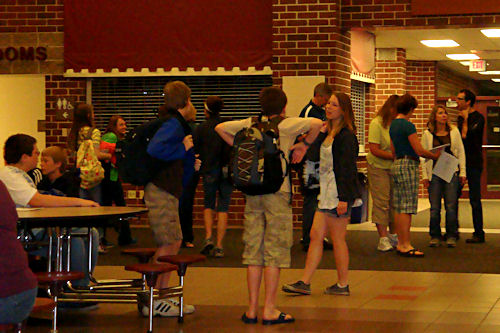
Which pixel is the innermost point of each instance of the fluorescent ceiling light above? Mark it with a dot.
(439, 43)
(490, 73)
(465, 63)
(491, 32)
(495, 80)
(465, 56)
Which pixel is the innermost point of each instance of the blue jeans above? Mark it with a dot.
(438, 189)
(16, 308)
(474, 180)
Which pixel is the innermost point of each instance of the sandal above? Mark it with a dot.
(413, 253)
(247, 320)
(280, 320)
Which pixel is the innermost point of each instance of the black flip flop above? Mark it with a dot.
(247, 320)
(411, 253)
(280, 320)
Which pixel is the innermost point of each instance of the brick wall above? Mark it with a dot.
(31, 16)
(307, 41)
(370, 13)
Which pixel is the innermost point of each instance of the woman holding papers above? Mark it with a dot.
(406, 148)
(439, 132)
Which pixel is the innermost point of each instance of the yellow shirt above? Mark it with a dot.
(380, 135)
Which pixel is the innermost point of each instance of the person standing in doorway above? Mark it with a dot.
(310, 167)
(471, 126)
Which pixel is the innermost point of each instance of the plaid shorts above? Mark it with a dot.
(405, 191)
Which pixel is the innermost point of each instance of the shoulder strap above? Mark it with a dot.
(89, 134)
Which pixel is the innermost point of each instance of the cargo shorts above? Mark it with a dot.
(163, 215)
(268, 230)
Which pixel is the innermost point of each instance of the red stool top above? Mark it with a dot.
(49, 277)
(182, 259)
(143, 252)
(42, 304)
(151, 268)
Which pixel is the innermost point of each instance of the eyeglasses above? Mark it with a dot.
(461, 98)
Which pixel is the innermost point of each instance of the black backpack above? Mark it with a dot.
(255, 164)
(135, 165)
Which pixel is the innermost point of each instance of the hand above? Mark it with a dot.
(88, 203)
(188, 142)
(462, 181)
(341, 208)
(438, 153)
(299, 150)
(197, 162)
(324, 128)
(426, 183)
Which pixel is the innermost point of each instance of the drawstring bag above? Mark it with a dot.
(91, 170)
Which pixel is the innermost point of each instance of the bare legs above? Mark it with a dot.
(403, 223)
(165, 250)
(208, 215)
(337, 227)
(271, 280)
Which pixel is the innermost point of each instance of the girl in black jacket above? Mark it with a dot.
(339, 191)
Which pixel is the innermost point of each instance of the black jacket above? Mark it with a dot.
(345, 150)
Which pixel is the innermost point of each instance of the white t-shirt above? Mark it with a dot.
(20, 186)
(289, 129)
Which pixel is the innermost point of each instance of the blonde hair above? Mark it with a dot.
(58, 155)
(431, 123)
(347, 115)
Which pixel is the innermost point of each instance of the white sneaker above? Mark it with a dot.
(166, 308)
(393, 238)
(384, 244)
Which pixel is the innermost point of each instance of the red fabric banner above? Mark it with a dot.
(167, 33)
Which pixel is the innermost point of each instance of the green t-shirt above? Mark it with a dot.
(380, 135)
(111, 137)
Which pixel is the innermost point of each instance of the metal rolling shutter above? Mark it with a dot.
(358, 89)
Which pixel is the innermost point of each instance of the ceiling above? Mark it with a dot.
(469, 39)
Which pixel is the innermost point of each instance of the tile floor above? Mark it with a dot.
(379, 302)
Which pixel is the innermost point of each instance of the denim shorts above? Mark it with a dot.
(215, 185)
(333, 212)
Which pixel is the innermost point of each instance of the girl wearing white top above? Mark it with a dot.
(440, 132)
(339, 192)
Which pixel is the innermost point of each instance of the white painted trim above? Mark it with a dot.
(205, 71)
(362, 77)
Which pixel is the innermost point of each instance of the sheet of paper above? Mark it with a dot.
(438, 147)
(445, 167)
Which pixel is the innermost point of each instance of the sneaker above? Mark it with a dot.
(384, 244)
(101, 249)
(207, 247)
(475, 240)
(166, 308)
(393, 238)
(451, 242)
(435, 242)
(298, 287)
(219, 252)
(336, 290)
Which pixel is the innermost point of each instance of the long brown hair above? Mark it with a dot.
(347, 117)
(113, 122)
(387, 111)
(82, 116)
(431, 123)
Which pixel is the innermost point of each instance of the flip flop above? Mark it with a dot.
(411, 253)
(247, 320)
(280, 320)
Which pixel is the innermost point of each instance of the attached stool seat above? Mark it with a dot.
(182, 261)
(150, 273)
(142, 254)
(55, 282)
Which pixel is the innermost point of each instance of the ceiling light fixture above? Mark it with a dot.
(465, 63)
(492, 33)
(495, 80)
(490, 73)
(465, 56)
(439, 43)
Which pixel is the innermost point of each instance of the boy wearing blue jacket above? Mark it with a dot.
(172, 144)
